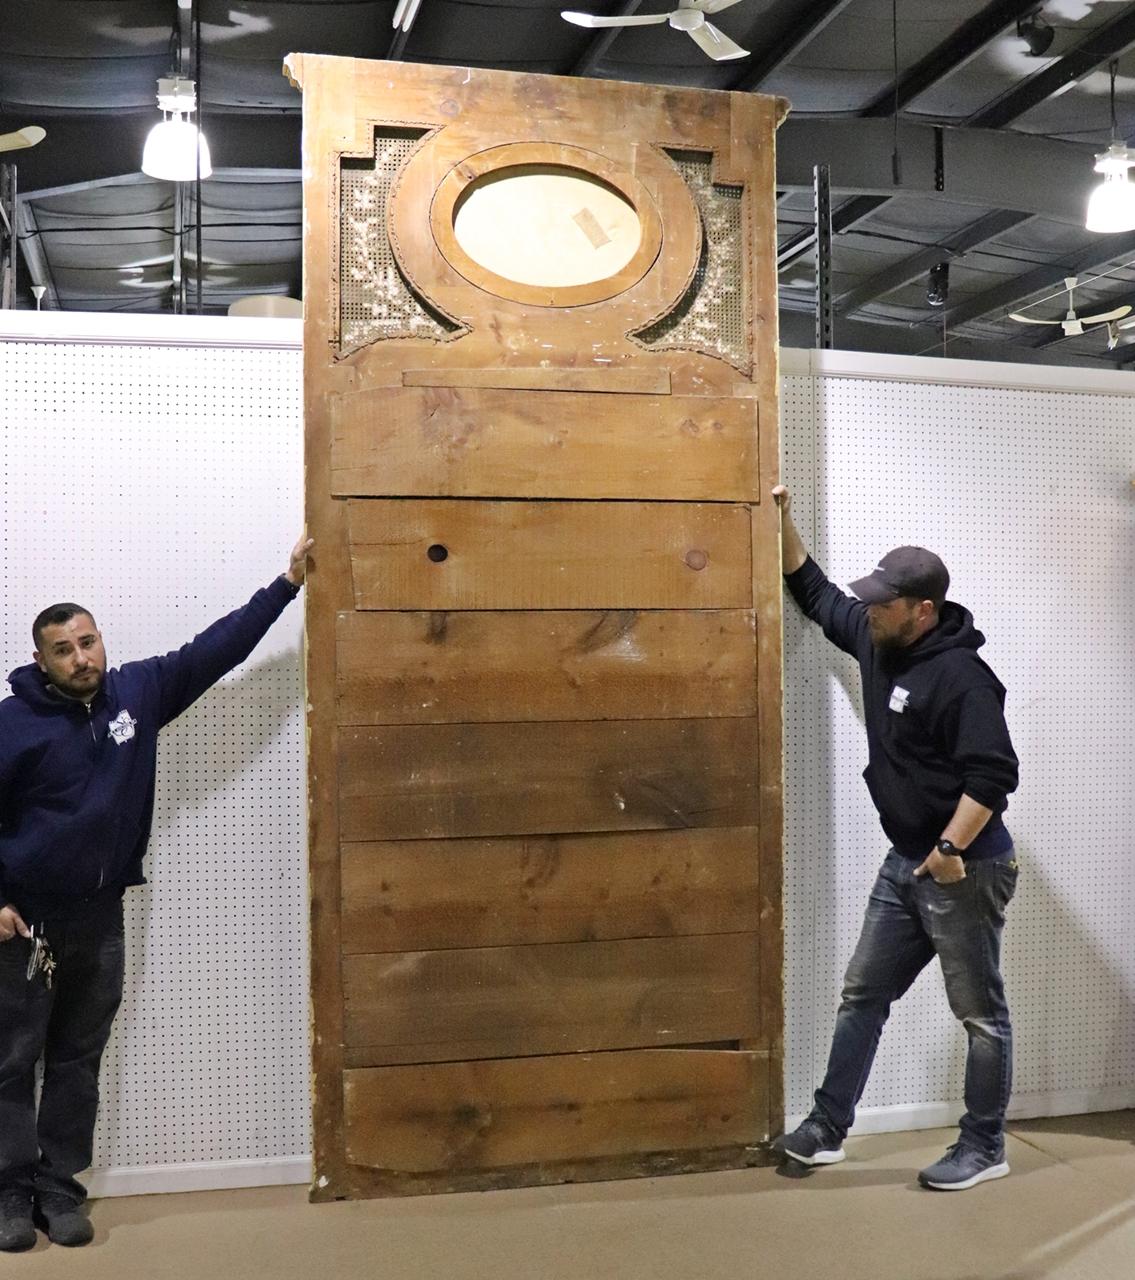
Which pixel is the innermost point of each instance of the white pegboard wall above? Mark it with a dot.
(1027, 497)
(160, 486)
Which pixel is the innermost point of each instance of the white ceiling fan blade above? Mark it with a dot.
(716, 43)
(714, 6)
(592, 20)
(1020, 319)
(28, 136)
(1117, 314)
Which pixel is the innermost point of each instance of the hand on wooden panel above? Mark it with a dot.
(793, 552)
(297, 566)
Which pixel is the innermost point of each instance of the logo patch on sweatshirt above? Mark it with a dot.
(899, 699)
(121, 728)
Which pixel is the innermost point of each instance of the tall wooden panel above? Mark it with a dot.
(543, 627)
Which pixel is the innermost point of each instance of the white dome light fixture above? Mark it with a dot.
(1111, 206)
(175, 144)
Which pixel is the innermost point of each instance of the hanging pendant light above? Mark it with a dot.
(1111, 206)
(173, 146)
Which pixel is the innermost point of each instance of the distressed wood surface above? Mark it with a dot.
(570, 756)
(426, 781)
(416, 895)
(439, 667)
(605, 380)
(550, 555)
(495, 442)
(497, 1002)
(457, 1117)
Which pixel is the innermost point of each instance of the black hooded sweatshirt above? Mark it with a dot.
(935, 720)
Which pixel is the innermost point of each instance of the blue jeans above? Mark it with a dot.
(908, 922)
(68, 1027)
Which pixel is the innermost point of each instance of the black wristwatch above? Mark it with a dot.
(948, 849)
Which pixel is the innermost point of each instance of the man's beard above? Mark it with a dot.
(83, 687)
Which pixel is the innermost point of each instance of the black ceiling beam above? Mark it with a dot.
(946, 58)
(1103, 44)
(602, 40)
(788, 43)
(1106, 249)
(918, 264)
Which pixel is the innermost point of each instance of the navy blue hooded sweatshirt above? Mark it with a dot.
(77, 780)
(935, 720)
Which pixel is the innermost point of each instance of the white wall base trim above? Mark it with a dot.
(1028, 1106)
(212, 1175)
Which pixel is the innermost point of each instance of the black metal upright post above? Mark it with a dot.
(821, 186)
(8, 248)
(197, 149)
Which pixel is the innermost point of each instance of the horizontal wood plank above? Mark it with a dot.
(455, 441)
(432, 668)
(444, 555)
(497, 1002)
(603, 379)
(457, 1117)
(429, 781)
(415, 895)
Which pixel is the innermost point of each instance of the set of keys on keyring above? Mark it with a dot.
(41, 960)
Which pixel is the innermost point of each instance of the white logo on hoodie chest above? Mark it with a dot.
(900, 698)
(121, 728)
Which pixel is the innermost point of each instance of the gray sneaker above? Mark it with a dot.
(812, 1143)
(17, 1231)
(963, 1167)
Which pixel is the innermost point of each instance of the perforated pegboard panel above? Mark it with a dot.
(161, 486)
(1027, 497)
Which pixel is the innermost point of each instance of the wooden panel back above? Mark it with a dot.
(435, 781)
(501, 1002)
(492, 442)
(418, 895)
(454, 667)
(549, 555)
(543, 638)
(452, 1117)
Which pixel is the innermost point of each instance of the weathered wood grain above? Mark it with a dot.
(460, 1117)
(452, 667)
(455, 441)
(415, 895)
(498, 1002)
(549, 555)
(427, 781)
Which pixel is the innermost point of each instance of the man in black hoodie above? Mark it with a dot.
(940, 768)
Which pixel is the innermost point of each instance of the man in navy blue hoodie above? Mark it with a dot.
(78, 756)
(940, 769)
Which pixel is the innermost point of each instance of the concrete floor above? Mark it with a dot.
(1067, 1211)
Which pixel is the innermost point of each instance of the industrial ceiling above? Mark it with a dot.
(947, 141)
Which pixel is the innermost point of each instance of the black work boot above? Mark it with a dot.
(17, 1231)
(65, 1220)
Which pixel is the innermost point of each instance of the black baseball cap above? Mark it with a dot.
(905, 571)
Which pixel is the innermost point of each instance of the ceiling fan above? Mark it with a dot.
(28, 136)
(688, 17)
(1071, 323)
